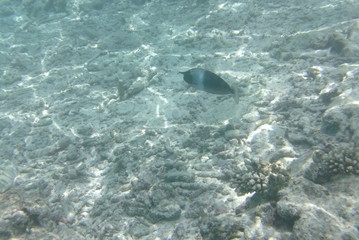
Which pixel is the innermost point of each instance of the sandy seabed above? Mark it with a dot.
(102, 139)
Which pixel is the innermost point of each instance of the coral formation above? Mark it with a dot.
(333, 160)
(265, 179)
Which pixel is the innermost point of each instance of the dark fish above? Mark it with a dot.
(206, 81)
(210, 82)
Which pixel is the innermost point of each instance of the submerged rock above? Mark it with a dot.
(165, 212)
(176, 176)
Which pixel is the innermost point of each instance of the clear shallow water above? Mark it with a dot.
(109, 142)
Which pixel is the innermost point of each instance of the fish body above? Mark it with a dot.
(207, 81)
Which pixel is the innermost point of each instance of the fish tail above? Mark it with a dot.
(236, 94)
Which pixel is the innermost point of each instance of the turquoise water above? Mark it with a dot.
(102, 139)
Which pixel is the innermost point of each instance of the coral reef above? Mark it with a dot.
(101, 139)
(265, 179)
(333, 160)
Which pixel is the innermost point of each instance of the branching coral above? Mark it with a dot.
(265, 179)
(334, 160)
